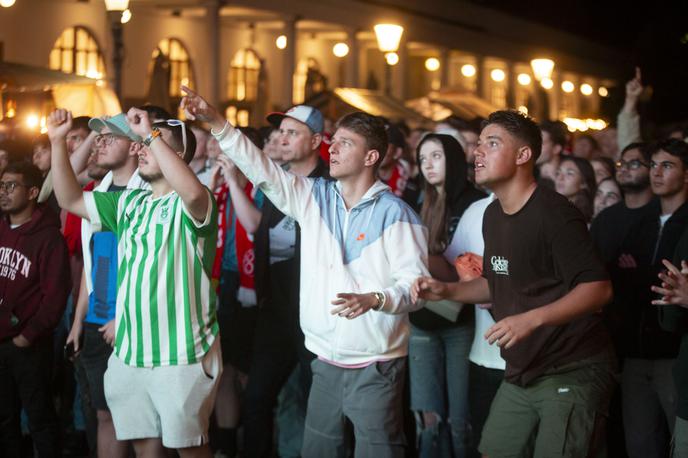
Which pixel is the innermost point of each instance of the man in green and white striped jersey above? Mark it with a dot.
(162, 377)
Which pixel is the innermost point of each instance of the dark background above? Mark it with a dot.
(651, 34)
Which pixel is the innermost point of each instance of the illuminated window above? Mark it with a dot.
(242, 81)
(308, 80)
(76, 51)
(180, 69)
(237, 116)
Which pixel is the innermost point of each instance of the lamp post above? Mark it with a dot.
(388, 38)
(542, 68)
(115, 8)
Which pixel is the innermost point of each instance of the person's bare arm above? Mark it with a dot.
(474, 291)
(584, 299)
(177, 173)
(67, 190)
(79, 314)
(246, 212)
(79, 158)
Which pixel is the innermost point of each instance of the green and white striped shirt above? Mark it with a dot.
(165, 302)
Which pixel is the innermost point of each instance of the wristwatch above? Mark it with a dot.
(380, 300)
(155, 133)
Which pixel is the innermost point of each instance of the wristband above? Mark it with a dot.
(155, 133)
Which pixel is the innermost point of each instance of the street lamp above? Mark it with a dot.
(542, 68)
(115, 8)
(388, 38)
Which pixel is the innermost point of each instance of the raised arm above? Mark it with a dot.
(288, 192)
(177, 172)
(79, 158)
(628, 120)
(67, 190)
(246, 211)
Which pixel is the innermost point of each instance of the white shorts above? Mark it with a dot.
(171, 402)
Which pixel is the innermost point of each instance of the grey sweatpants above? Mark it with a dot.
(370, 397)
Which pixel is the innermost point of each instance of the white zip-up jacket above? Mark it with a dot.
(378, 245)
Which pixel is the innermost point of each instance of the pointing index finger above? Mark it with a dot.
(188, 91)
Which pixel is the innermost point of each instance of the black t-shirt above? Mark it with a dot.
(531, 259)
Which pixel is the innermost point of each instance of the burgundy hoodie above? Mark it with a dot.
(34, 276)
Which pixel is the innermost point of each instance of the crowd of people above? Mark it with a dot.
(490, 288)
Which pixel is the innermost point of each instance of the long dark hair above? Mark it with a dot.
(437, 211)
(585, 198)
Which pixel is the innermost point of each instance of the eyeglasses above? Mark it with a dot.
(8, 186)
(108, 139)
(633, 164)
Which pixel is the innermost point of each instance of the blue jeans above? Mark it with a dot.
(438, 370)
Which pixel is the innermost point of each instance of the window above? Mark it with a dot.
(76, 51)
(244, 71)
(308, 80)
(180, 70)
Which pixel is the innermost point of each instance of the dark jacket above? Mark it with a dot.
(632, 318)
(34, 276)
(674, 318)
(261, 245)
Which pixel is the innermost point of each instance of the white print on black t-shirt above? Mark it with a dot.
(500, 265)
(11, 262)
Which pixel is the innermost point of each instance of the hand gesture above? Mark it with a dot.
(635, 86)
(75, 335)
(229, 169)
(674, 287)
(196, 107)
(350, 305)
(511, 330)
(139, 122)
(429, 289)
(108, 330)
(59, 123)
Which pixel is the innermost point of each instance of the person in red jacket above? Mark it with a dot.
(34, 285)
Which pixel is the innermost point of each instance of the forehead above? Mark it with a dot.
(105, 130)
(79, 131)
(292, 124)
(495, 130)
(349, 134)
(568, 164)
(431, 145)
(608, 186)
(632, 154)
(8, 176)
(663, 156)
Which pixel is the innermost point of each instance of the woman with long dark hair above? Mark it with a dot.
(441, 336)
(576, 181)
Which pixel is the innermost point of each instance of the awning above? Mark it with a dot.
(439, 105)
(341, 101)
(80, 95)
(22, 77)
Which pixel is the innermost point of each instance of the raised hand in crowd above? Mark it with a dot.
(197, 108)
(674, 287)
(59, 124)
(634, 88)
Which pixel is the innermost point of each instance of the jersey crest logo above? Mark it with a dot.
(164, 215)
(500, 265)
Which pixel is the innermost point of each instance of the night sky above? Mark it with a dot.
(654, 39)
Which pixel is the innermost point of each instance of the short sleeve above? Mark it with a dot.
(102, 210)
(209, 223)
(575, 257)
